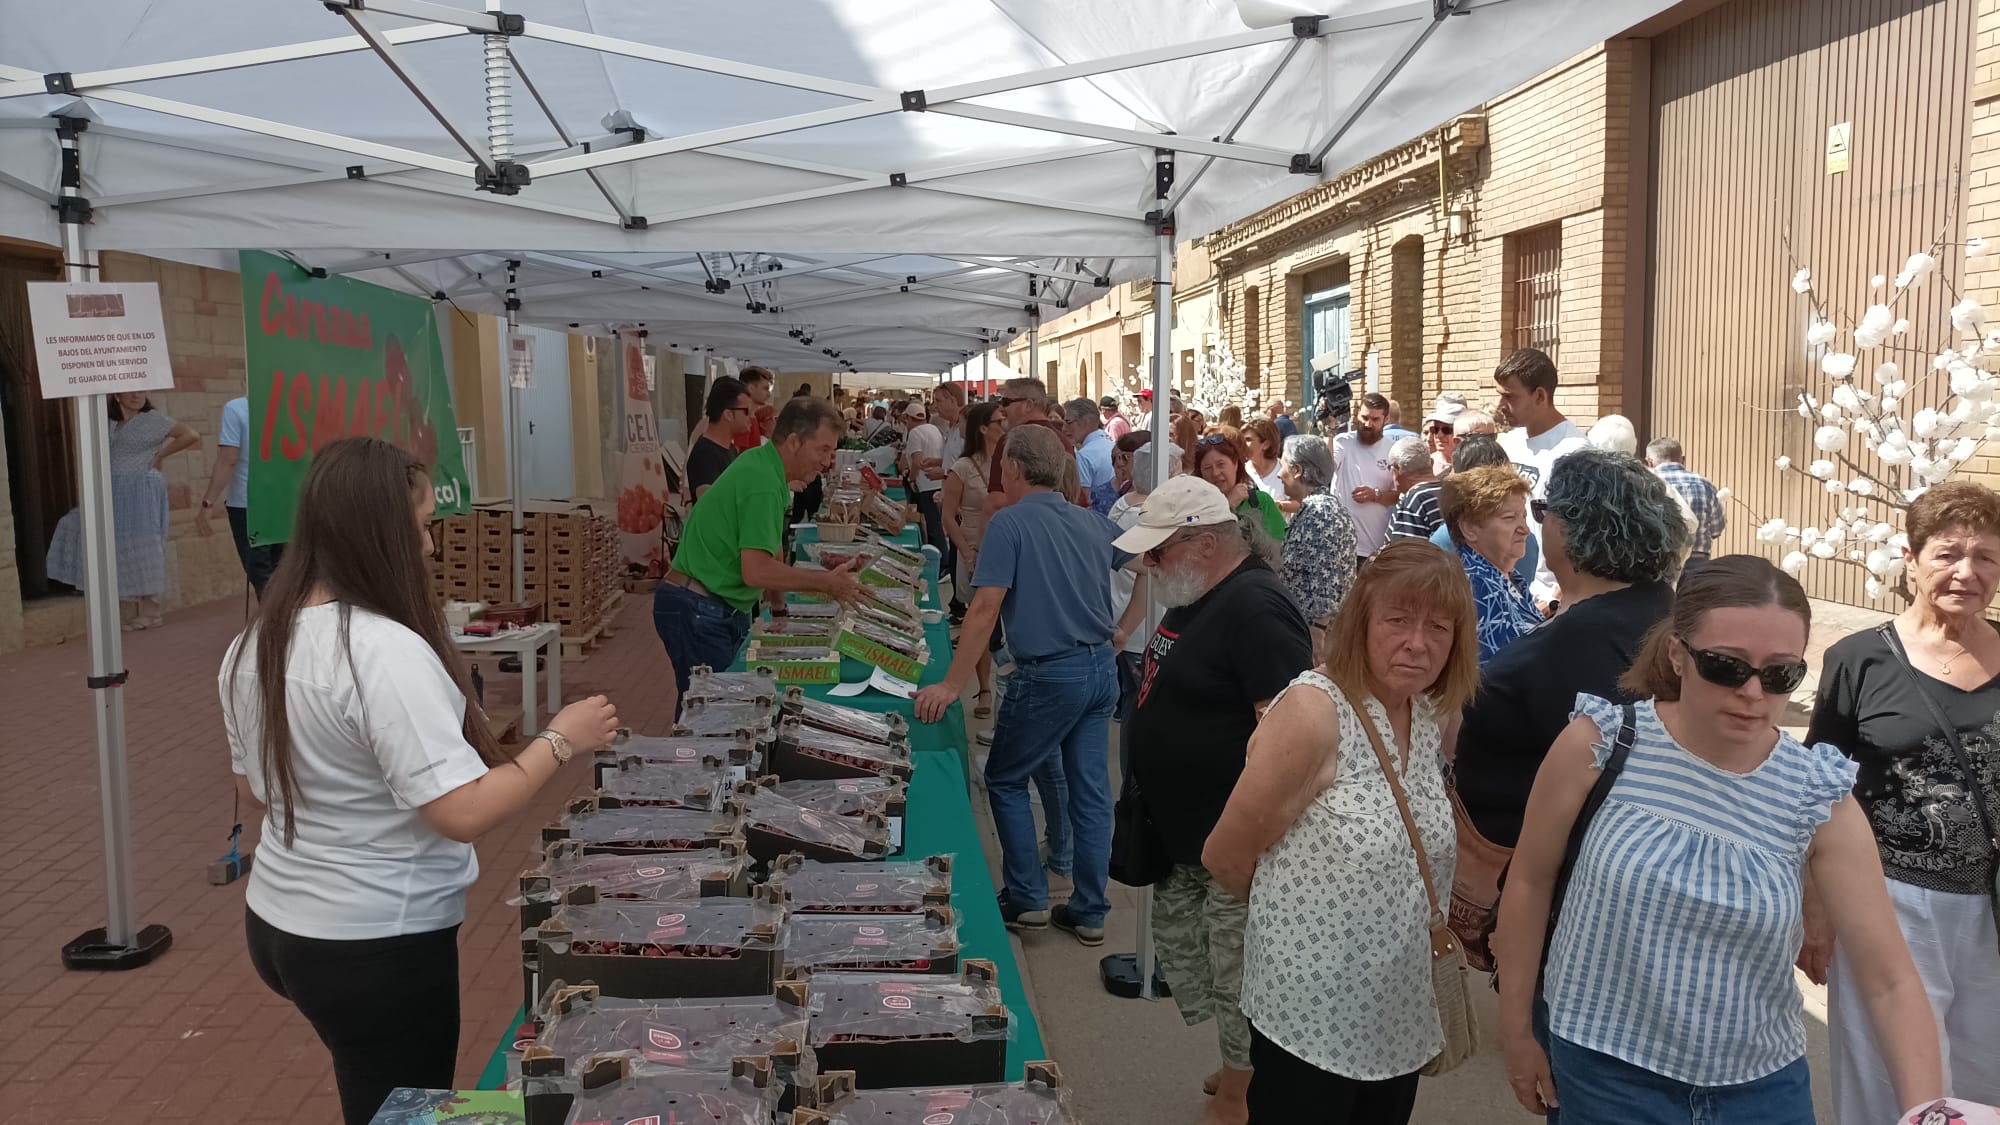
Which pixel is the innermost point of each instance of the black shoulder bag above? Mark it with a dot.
(1964, 760)
(1621, 749)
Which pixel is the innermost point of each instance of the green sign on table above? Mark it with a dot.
(331, 358)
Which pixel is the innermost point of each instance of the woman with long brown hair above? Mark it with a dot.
(349, 719)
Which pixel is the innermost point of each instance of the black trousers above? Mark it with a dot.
(1287, 1090)
(927, 507)
(258, 562)
(386, 1008)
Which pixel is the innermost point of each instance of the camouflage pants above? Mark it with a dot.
(1198, 931)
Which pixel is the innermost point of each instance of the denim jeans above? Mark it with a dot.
(1056, 709)
(1598, 1087)
(697, 629)
(258, 562)
(1057, 839)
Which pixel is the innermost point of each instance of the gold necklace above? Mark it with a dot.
(1944, 667)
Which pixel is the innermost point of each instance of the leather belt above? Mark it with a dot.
(676, 578)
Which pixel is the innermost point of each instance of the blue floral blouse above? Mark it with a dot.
(1318, 556)
(1506, 609)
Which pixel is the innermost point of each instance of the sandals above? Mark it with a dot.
(984, 708)
(138, 623)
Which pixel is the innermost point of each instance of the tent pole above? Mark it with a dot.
(1035, 339)
(1141, 962)
(121, 944)
(514, 451)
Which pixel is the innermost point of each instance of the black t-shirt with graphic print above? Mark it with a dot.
(1917, 798)
(1202, 672)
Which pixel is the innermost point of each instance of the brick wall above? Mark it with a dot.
(1982, 201)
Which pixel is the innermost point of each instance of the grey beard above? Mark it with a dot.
(1179, 586)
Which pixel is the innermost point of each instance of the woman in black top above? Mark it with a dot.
(1916, 703)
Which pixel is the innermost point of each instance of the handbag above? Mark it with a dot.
(1138, 858)
(1958, 753)
(1475, 887)
(1448, 984)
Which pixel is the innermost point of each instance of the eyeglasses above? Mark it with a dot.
(1211, 441)
(1160, 552)
(1437, 431)
(1540, 509)
(1007, 402)
(1727, 671)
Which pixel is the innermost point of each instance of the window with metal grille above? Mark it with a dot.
(1534, 283)
(1253, 336)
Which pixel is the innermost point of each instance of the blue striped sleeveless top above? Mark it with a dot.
(1675, 948)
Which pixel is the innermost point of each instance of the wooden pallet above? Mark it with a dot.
(576, 645)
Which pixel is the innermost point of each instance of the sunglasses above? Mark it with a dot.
(1156, 554)
(1539, 509)
(1437, 431)
(1727, 671)
(1007, 402)
(1211, 441)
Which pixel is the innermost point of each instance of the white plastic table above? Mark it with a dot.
(524, 644)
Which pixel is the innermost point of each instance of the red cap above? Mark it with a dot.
(1146, 392)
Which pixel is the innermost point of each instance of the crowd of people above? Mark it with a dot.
(1397, 672)
(1486, 671)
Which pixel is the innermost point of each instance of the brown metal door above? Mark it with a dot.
(40, 436)
(1742, 101)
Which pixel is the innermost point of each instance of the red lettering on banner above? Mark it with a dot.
(294, 447)
(271, 415)
(271, 322)
(330, 419)
(280, 312)
(383, 425)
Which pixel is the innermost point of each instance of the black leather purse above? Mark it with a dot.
(1138, 857)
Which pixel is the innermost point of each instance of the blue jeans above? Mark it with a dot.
(1056, 711)
(1598, 1088)
(1057, 839)
(697, 629)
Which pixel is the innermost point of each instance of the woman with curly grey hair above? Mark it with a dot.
(1614, 541)
(1318, 552)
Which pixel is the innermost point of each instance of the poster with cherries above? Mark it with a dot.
(642, 481)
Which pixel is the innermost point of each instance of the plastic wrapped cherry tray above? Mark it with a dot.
(796, 738)
(1038, 1101)
(886, 1007)
(763, 810)
(656, 877)
(725, 718)
(844, 796)
(697, 1036)
(639, 783)
(707, 684)
(874, 943)
(890, 887)
(602, 829)
(888, 729)
(710, 928)
(742, 755)
(683, 1099)
(903, 627)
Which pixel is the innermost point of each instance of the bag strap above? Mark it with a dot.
(1621, 749)
(1402, 804)
(1950, 731)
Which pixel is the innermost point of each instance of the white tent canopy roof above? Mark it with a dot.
(828, 131)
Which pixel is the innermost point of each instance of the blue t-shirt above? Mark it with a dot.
(235, 435)
(1524, 570)
(1285, 427)
(1055, 560)
(1093, 465)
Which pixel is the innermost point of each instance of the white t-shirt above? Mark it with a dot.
(1125, 513)
(1364, 466)
(1535, 456)
(924, 443)
(376, 733)
(1273, 484)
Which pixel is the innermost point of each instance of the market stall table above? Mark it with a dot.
(524, 644)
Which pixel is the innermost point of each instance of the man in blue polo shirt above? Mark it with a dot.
(1045, 573)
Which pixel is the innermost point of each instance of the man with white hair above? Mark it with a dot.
(1230, 641)
(1280, 413)
(1702, 500)
(1417, 514)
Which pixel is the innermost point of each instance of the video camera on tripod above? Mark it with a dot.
(1333, 392)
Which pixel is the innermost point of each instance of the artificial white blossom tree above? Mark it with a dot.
(1218, 381)
(1868, 454)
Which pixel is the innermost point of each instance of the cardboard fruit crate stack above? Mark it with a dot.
(569, 563)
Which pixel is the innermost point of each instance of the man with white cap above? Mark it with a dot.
(923, 453)
(1232, 638)
(1440, 430)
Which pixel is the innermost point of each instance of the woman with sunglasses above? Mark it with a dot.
(1916, 704)
(1219, 460)
(1668, 978)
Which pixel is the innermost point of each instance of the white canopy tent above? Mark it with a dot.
(931, 174)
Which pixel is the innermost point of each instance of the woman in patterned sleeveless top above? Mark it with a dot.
(1668, 982)
(1337, 951)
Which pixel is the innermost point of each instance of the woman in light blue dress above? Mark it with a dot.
(141, 439)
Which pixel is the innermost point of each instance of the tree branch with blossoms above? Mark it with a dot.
(1905, 458)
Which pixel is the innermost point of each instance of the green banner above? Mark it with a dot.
(331, 358)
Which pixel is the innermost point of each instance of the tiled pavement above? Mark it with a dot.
(195, 1037)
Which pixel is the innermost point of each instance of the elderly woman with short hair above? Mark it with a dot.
(1916, 704)
(1318, 554)
(1486, 511)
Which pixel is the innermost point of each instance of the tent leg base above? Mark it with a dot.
(1120, 975)
(91, 952)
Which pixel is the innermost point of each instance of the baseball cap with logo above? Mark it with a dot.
(1181, 502)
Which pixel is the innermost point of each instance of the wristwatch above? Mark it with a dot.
(560, 745)
(208, 503)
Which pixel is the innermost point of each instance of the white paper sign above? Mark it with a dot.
(521, 361)
(848, 691)
(652, 373)
(883, 681)
(98, 338)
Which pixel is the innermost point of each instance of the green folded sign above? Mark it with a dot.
(330, 358)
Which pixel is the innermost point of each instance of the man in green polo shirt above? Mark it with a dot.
(732, 550)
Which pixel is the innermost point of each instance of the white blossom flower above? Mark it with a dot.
(1829, 438)
(1820, 332)
(1968, 316)
(1874, 589)
(1943, 360)
(1874, 327)
(1806, 407)
(1885, 375)
(1964, 379)
(1937, 472)
(1834, 534)
(1829, 412)
(1992, 341)
(1964, 449)
(1771, 530)
(1722, 494)
(1802, 281)
(1890, 402)
(1974, 247)
(1808, 537)
(1880, 533)
(1915, 270)
(1861, 486)
(1900, 541)
(1835, 488)
(1878, 281)
(1925, 424)
(1900, 327)
(1823, 550)
(1793, 563)
(1882, 561)
(1963, 409)
(1783, 463)
(1837, 365)
(1856, 554)
(1894, 454)
(1821, 468)
(1845, 398)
